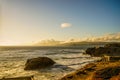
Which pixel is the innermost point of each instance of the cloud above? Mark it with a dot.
(50, 42)
(106, 37)
(65, 25)
(114, 37)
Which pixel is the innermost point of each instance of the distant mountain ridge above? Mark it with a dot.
(58, 43)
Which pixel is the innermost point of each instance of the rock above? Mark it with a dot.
(115, 77)
(90, 51)
(96, 71)
(113, 45)
(106, 73)
(115, 58)
(38, 63)
(79, 74)
(109, 49)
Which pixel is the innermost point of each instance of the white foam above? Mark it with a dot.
(12, 63)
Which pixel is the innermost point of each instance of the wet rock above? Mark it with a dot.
(90, 51)
(38, 63)
(109, 49)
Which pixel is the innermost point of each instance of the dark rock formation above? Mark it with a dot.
(38, 63)
(106, 73)
(90, 51)
(109, 49)
(113, 45)
(114, 58)
(115, 77)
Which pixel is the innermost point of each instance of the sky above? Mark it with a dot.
(30, 21)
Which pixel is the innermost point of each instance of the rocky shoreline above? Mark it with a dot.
(108, 68)
(108, 49)
(96, 71)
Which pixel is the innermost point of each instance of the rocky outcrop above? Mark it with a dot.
(96, 71)
(110, 58)
(38, 63)
(115, 77)
(113, 45)
(106, 73)
(108, 49)
(100, 70)
(114, 58)
(80, 74)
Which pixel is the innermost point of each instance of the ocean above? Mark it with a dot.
(68, 59)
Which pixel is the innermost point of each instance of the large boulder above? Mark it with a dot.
(38, 63)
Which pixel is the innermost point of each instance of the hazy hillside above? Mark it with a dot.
(72, 43)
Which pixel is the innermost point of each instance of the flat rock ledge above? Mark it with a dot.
(96, 71)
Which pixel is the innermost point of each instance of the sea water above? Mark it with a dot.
(13, 59)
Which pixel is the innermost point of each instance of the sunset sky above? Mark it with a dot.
(29, 21)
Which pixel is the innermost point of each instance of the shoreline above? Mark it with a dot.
(108, 68)
(89, 71)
